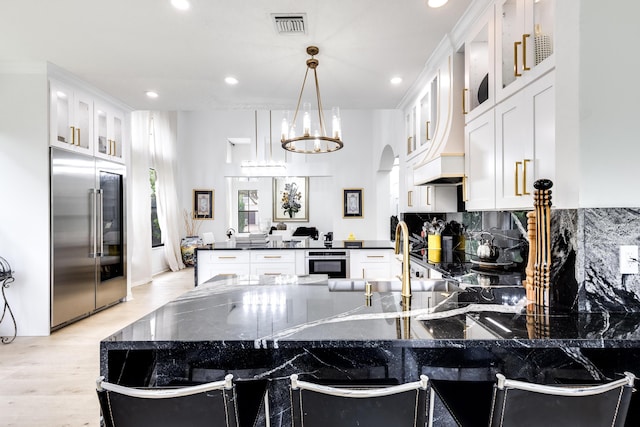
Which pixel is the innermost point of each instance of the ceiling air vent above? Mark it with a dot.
(290, 24)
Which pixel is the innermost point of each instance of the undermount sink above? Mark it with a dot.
(391, 285)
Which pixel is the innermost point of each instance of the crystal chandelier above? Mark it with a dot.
(317, 141)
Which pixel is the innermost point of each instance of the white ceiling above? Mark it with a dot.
(126, 47)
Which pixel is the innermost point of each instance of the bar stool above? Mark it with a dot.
(523, 404)
(315, 405)
(210, 404)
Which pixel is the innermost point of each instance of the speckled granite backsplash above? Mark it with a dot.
(601, 232)
(585, 273)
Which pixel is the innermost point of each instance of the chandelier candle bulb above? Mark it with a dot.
(335, 122)
(285, 128)
(306, 119)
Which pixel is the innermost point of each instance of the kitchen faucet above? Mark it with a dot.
(406, 275)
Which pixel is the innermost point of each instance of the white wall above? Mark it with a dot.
(24, 190)
(202, 138)
(609, 142)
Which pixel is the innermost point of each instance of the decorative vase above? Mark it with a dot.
(188, 247)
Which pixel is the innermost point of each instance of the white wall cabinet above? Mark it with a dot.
(525, 143)
(524, 43)
(85, 123)
(371, 264)
(478, 91)
(108, 132)
(71, 118)
(479, 181)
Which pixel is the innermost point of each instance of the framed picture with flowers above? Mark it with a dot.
(291, 198)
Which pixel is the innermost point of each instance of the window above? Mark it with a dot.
(156, 233)
(248, 211)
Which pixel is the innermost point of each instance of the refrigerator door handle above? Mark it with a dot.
(93, 222)
(100, 223)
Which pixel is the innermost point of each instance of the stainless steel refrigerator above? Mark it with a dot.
(88, 253)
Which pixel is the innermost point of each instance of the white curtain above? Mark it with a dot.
(163, 159)
(152, 145)
(140, 199)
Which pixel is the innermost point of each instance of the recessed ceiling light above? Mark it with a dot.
(180, 4)
(396, 80)
(436, 3)
(151, 94)
(231, 80)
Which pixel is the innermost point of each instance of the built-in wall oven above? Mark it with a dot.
(334, 263)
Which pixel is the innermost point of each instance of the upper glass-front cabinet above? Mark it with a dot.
(477, 93)
(71, 118)
(525, 30)
(428, 113)
(109, 132)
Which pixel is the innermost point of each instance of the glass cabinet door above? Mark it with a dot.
(525, 40)
(112, 260)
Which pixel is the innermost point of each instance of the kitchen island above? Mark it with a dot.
(264, 328)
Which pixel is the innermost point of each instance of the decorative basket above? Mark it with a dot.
(543, 47)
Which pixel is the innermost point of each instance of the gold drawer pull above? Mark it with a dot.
(517, 193)
(227, 257)
(515, 59)
(524, 52)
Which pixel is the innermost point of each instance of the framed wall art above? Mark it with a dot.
(203, 204)
(291, 198)
(352, 203)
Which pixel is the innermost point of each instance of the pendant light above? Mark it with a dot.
(316, 140)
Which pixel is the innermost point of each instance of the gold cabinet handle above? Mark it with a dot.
(272, 256)
(524, 177)
(428, 198)
(226, 257)
(464, 101)
(78, 129)
(375, 256)
(524, 52)
(427, 126)
(516, 192)
(409, 139)
(73, 135)
(515, 59)
(410, 198)
(465, 197)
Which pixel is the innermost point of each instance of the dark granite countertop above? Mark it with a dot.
(291, 311)
(301, 244)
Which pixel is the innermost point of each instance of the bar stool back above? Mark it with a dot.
(211, 404)
(404, 405)
(523, 404)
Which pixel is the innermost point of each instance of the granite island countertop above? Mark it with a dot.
(273, 311)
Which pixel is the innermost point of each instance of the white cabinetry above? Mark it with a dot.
(212, 263)
(524, 44)
(271, 263)
(525, 143)
(85, 123)
(108, 132)
(71, 118)
(479, 180)
(371, 264)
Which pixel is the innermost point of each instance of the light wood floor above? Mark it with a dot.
(50, 381)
